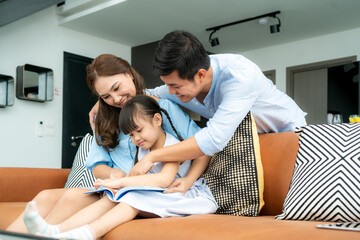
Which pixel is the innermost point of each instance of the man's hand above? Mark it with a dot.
(92, 115)
(179, 185)
(141, 167)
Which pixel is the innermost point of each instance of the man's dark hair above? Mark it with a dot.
(181, 51)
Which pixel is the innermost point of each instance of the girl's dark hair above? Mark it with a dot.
(141, 106)
(181, 51)
(106, 122)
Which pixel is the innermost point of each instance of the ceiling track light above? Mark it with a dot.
(273, 28)
(276, 27)
(213, 41)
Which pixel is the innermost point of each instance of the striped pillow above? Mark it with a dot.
(325, 185)
(79, 175)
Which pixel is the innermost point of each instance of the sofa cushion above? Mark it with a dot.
(9, 212)
(215, 226)
(79, 175)
(235, 175)
(325, 183)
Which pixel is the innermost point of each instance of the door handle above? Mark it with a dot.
(73, 138)
(77, 137)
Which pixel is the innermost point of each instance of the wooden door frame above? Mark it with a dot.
(291, 71)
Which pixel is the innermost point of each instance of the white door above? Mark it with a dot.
(310, 93)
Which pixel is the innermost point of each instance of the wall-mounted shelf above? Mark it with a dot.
(6, 91)
(34, 83)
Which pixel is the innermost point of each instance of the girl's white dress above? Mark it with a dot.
(197, 200)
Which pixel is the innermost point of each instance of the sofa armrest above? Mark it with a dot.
(22, 184)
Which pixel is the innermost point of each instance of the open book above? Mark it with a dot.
(116, 194)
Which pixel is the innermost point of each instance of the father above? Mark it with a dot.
(222, 88)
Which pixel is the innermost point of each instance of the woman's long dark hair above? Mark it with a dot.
(106, 122)
(143, 106)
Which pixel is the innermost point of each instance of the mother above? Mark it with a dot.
(111, 154)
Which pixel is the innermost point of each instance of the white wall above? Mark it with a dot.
(38, 40)
(326, 47)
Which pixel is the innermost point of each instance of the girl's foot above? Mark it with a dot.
(81, 233)
(35, 223)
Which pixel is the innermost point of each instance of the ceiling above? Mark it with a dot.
(12, 10)
(137, 22)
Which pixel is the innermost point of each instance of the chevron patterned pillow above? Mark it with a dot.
(79, 175)
(325, 185)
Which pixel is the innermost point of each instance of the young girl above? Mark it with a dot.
(140, 118)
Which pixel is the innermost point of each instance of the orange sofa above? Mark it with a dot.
(278, 153)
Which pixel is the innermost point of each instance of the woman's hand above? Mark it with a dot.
(180, 185)
(141, 167)
(92, 115)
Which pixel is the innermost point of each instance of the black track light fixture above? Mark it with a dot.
(276, 27)
(213, 41)
(273, 28)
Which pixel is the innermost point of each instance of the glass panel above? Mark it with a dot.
(34, 83)
(6, 91)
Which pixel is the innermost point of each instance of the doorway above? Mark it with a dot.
(77, 102)
(307, 85)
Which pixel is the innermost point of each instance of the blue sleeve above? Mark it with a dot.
(160, 92)
(237, 96)
(183, 124)
(97, 155)
(120, 157)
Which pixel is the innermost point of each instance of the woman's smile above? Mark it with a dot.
(123, 101)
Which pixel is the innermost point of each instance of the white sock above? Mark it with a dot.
(35, 223)
(82, 233)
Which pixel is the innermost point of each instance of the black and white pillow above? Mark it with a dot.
(79, 175)
(325, 185)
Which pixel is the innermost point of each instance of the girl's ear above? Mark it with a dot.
(157, 119)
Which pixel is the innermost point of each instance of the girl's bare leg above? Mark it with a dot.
(116, 214)
(88, 214)
(36, 224)
(72, 201)
(46, 200)
(119, 214)
(56, 205)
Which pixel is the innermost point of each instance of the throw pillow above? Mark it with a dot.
(79, 175)
(235, 174)
(326, 179)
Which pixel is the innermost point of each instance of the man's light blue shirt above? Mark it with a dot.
(122, 157)
(238, 86)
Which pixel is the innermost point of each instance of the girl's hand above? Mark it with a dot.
(109, 183)
(115, 175)
(142, 167)
(97, 183)
(180, 185)
(92, 115)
